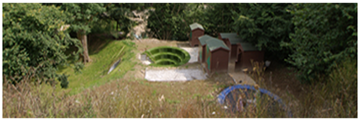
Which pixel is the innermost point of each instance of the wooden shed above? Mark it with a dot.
(197, 30)
(247, 53)
(234, 40)
(214, 54)
(242, 51)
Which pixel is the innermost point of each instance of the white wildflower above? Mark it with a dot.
(162, 98)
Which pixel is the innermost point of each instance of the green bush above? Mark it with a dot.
(265, 25)
(168, 22)
(311, 37)
(32, 41)
(218, 17)
(324, 34)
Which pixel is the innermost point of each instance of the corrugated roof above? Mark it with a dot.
(196, 25)
(234, 39)
(212, 43)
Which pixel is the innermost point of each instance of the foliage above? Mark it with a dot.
(31, 39)
(168, 22)
(85, 15)
(324, 34)
(310, 37)
(171, 21)
(217, 17)
(342, 87)
(266, 25)
(119, 12)
(335, 96)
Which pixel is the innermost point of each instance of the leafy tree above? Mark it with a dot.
(33, 42)
(266, 25)
(171, 21)
(117, 12)
(168, 22)
(218, 17)
(324, 34)
(85, 16)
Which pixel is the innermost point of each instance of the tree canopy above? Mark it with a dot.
(265, 25)
(324, 35)
(32, 40)
(84, 17)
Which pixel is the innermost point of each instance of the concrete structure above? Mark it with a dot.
(243, 52)
(214, 54)
(197, 30)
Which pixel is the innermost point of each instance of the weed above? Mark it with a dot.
(154, 93)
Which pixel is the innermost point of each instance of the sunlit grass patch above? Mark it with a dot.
(95, 73)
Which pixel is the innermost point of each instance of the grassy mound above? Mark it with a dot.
(95, 73)
(168, 56)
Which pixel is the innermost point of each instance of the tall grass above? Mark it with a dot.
(336, 96)
(25, 100)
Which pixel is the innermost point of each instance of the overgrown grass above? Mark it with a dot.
(125, 98)
(333, 97)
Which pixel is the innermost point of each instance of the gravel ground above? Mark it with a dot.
(175, 75)
(194, 53)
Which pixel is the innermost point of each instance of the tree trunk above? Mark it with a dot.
(82, 37)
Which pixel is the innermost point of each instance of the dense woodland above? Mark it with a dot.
(313, 38)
